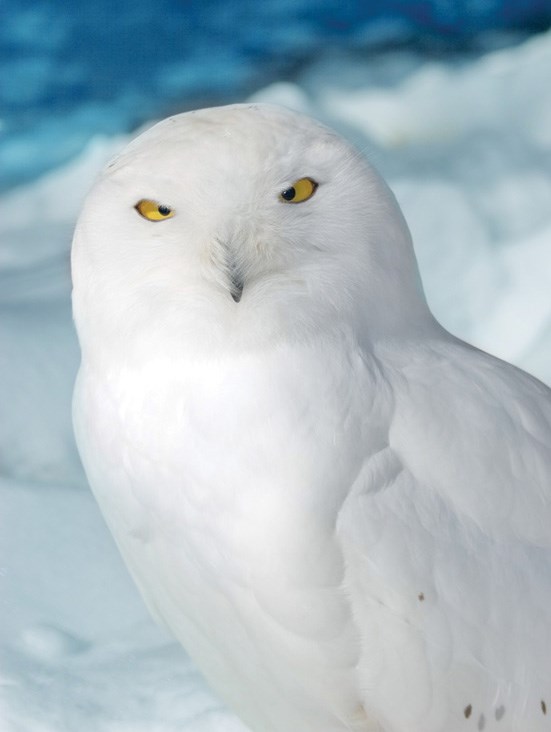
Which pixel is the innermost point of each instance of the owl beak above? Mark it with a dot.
(236, 289)
(230, 263)
(236, 283)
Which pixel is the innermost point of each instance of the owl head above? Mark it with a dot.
(241, 225)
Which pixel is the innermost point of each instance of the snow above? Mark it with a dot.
(466, 146)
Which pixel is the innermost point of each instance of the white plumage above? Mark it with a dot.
(340, 510)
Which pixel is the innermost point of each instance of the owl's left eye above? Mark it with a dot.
(300, 191)
(153, 210)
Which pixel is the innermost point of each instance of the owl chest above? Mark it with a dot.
(230, 461)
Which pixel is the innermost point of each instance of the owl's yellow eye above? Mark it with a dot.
(300, 191)
(153, 211)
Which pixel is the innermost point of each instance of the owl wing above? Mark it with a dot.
(447, 539)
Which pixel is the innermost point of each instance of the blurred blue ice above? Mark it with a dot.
(72, 70)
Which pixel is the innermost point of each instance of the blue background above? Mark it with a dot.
(69, 71)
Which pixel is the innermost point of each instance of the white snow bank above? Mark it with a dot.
(467, 150)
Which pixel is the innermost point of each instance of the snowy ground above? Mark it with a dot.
(466, 148)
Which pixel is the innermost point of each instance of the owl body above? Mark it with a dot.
(230, 532)
(342, 512)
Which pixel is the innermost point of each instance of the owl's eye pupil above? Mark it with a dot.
(288, 194)
(163, 210)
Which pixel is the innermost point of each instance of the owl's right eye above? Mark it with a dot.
(153, 210)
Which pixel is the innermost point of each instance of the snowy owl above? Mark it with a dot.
(340, 510)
